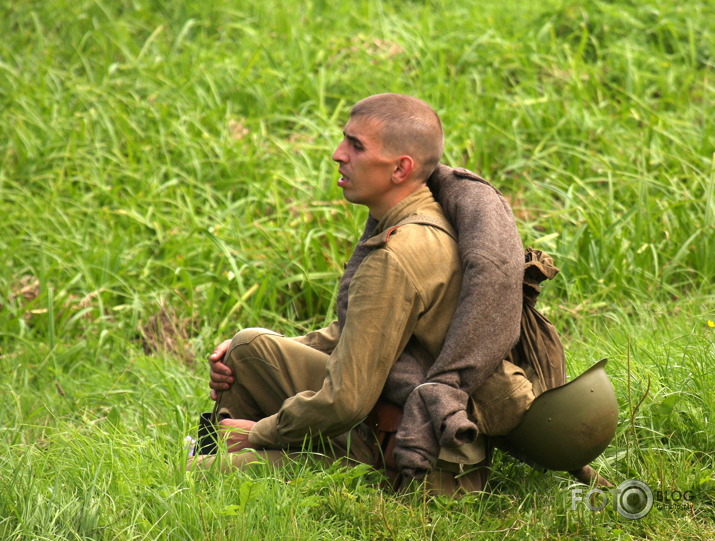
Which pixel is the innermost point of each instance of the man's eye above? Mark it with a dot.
(354, 143)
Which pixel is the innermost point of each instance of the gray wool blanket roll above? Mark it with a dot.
(483, 331)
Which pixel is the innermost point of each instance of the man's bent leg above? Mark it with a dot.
(268, 368)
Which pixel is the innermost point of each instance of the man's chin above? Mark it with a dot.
(350, 197)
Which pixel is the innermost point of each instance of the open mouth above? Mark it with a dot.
(343, 180)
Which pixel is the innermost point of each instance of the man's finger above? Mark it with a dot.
(218, 386)
(220, 350)
(220, 378)
(220, 368)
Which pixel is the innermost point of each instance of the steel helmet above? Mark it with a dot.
(568, 426)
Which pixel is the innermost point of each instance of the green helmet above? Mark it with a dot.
(568, 426)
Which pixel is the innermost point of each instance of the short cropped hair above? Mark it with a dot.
(407, 126)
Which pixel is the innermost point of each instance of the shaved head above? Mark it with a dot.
(407, 126)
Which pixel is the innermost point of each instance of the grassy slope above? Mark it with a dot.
(165, 179)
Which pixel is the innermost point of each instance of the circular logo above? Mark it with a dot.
(634, 499)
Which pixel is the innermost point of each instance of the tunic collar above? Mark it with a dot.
(417, 200)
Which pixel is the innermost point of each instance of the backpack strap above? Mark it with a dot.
(381, 239)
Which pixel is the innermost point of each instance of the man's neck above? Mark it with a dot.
(395, 198)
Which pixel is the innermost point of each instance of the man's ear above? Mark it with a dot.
(404, 169)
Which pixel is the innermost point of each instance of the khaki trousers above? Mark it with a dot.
(269, 368)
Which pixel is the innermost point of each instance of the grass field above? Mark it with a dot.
(165, 180)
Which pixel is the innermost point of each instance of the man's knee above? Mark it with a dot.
(246, 336)
(250, 343)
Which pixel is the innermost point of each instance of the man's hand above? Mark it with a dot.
(236, 433)
(221, 375)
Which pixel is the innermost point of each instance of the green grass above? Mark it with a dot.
(165, 180)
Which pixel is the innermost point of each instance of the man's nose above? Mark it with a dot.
(340, 155)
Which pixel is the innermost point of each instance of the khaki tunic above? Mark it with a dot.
(323, 384)
(403, 296)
